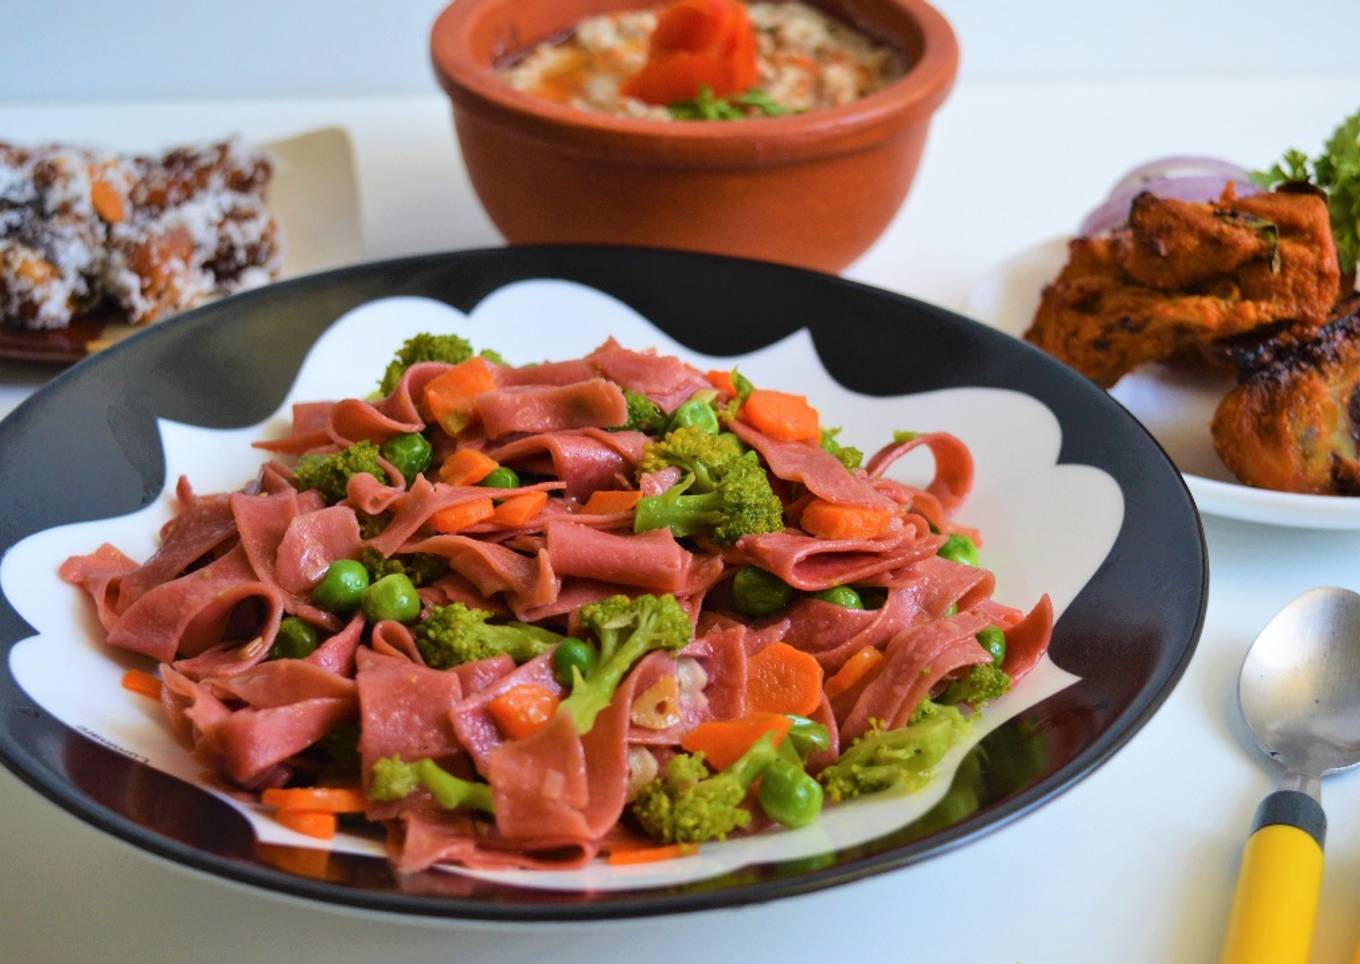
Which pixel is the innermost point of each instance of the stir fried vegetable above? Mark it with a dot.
(330, 474)
(626, 630)
(455, 634)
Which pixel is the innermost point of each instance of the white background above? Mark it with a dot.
(78, 49)
(1136, 864)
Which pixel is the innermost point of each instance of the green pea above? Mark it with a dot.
(958, 548)
(294, 640)
(409, 453)
(696, 413)
(501, 478)
(572, 654)
(340, 589)
(788, 795)
(392, 597)
(993, 640)
(842, 596)
(756, 592)
(806, 737)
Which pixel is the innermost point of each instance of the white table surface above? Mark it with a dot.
(1134, 864)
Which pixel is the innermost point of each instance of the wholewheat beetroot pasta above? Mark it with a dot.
(763, 624)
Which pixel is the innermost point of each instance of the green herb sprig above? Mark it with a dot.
(753, 103)
(1337, 171)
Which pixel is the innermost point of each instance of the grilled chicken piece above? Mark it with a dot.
(1182, 276)
(1293, 421)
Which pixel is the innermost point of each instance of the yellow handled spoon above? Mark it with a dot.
(1300, 694)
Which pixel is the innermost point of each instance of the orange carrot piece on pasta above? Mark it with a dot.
(143, 684)
(722, 742)
(467, 467)
(781, 679)
(319, 825)
(315, 799)
(519, 509)
(782, 416)
(826, 520)
(610, 501)
(651, 855)
(854, 670)
(458, 517)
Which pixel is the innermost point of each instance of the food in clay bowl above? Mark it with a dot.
(601, 121)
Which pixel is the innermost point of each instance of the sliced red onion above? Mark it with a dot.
(1115, 211)
(1181, 166)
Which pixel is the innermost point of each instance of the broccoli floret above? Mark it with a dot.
(899, 759)
(626, 630)
(342, 744)
(395, 779)
(330, 474)
(424, 347)
(644, 415)
(688, 805)
(849, 456)
(924, 711)
(422, 568)
(454, 634)
(698, 453)
(979, 686)
(371, 526)
(741, 503)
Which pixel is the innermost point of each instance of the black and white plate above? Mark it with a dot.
(1073, 498)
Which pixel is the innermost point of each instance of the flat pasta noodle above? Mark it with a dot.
(273, 681)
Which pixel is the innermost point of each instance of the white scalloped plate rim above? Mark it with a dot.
(1173, 406)
(1017, 489)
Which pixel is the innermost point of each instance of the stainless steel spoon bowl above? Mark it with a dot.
(1300, 686)
(1300, 694)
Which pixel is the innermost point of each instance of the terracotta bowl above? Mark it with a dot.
(813, 189)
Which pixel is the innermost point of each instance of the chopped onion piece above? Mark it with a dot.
(642, 769)
(1164, 168)
(1115, 211)
(658, 707)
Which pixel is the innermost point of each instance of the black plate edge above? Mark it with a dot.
(326, 895)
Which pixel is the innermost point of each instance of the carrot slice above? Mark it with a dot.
(697, 44)
(722, 742)
(143, 684)
(781, 679)
(314, 862)
(315, 799)
(522, 710)
(780, 415)
(722, 381)
(854, 670)
(519, 509)
(458, 517)
(467, 467)
(610, 501)
(650, 855)
(826, 520)
(319, 825)
(450, 397)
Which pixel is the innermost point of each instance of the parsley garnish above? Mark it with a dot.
(754, 103)
(1337, 171)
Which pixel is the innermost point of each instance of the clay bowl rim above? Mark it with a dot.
(472, 84)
